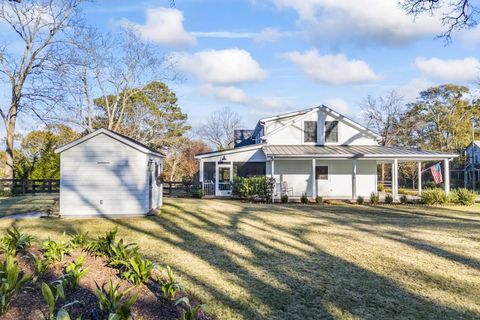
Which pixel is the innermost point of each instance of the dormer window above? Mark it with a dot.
(331, 131)
(310, 131)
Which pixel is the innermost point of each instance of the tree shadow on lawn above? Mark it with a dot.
(281, 280)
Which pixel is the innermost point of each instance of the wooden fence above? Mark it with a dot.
(23, 186)
(181, 189)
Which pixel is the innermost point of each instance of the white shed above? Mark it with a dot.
(105, 173)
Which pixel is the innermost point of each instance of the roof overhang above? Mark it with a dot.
(229, 151)
(112, 135)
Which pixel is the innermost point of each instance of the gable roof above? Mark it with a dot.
(327, 110)
(114, 135)
(477, 144)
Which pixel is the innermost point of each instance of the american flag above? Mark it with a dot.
(437, 173)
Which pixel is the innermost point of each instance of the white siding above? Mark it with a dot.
(298, 176)
(292, 134)
(104, 176)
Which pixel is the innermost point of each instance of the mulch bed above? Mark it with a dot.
(29, 303)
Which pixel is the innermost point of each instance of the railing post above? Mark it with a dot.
(170, 188)
(24, 187)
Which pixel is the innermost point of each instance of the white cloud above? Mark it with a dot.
(164, 26)
(269, 35)
(410, 91)
(339, 105)
(238, 96)
(229, 66)
(378, 20)
(462, 70)
(225, 34)
(332, 69)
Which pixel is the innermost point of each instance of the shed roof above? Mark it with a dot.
(360, 151)
(114, 135)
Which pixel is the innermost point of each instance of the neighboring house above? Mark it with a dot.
(316, 151)
(105, 173)
(472, 154)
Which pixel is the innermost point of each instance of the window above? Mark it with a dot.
(248, 169)
(331, 131)
(310, 131)
(321, 172)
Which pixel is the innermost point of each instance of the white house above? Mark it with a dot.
(472, 154)
(105, 173)
(316, 151)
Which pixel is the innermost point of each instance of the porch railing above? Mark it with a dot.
(209, 188)
(224, 186)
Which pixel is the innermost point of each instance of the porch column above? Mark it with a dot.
(419, 178)
(354, 179)
(395, 179)
(446, 166)
(314, 179)
(216, 178)
(200, 173)
(272, 175)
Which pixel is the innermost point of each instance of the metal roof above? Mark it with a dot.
(361, 151)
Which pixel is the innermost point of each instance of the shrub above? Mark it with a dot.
(120, 253)
(463, 196)
(360, 200)
(381, 187)
(78, 240)
(54, 251)
(75, 271)
(304, 199)
(403, 199)
(284, 198)
(254, 187)
(112, 302)
(319, 199)
(407, 192)
(137, 270)
(374, 198)
(103, 245)
(189, 312)
(435, 196)
(10, 282)
(388, 198)
(15, 240)
(170, 285)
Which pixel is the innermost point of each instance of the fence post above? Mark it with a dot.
(49, 186)
(170, 188)
(24, 186)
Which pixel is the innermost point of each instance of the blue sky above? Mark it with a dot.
(265, 57)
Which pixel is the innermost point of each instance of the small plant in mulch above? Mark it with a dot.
(360, 200)
(374, 198)
(388, 199)
(284, 198)
(319, 200)
(403, 199)
(103, 279)
(304, 199)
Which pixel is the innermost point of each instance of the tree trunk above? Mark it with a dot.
(9, 161)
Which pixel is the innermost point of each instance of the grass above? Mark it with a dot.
(254, 261)
(25, 204)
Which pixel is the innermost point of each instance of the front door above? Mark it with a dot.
(224, 181)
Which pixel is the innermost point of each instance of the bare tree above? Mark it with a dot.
(220, 127)
(383, 114)
(40, 25)
(456, 14)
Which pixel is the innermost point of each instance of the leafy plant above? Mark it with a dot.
(15, 240)
(54, 251)
(76, 271)
(403, 199)
(360, 200)
(374, 198)
(40, 264)
(254, 187)
(113, 303)
(319, 199)
(304, 199)
(120, 253)
(170, 285)
(103, 245)
(78, 240)
(284, 198)
(137, 270)
(189, 312)
(52, 293)
(463, 196)
(63, 314)
(381, 187)
(388, 198)
(435, 196)
(10, 282)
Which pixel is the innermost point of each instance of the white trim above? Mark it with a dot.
(112, 135)
(368, 156)
(287, 115)
(335, 114)
(314, 179)
(395, 179)
(229, 151)
(419, 182)
(354, 179)
(290, 123)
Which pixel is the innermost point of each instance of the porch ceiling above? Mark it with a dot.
(352, 152)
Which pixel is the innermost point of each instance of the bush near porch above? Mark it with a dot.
(257, 187)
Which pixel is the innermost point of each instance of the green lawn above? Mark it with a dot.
(25, 204)
(254, 261)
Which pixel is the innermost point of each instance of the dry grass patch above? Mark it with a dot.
(248, 261)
